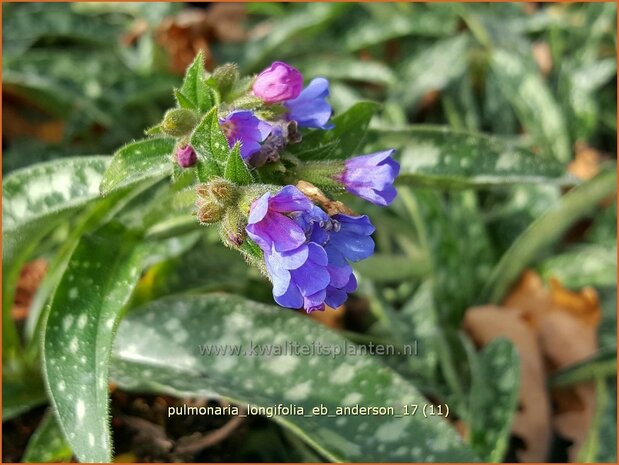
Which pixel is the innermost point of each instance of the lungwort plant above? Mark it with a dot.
(262, 165)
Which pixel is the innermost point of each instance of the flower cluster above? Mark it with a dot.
(279, 84)
(307, 252)
(305, 242)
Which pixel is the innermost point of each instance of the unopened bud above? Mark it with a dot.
(226, 76)
(186, 156)
(209, 212)
(178, 122)
(218, 190)
(232, 229)
(247, 102)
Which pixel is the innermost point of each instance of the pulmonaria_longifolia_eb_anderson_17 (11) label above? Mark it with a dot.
(265, 168)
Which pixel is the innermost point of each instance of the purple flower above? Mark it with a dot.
(270, 225)
(245, 127)
(345, 239)
(311, 109)
(300, 277)
(297, 268)
(307, 252)
(186, 156)
(277, 83)
(371, 177)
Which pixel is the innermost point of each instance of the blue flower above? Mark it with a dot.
(311, 109)
(346, 239)
(371, 177)
(300, 277)
(308, 253)
(244, 126)
(269, 223)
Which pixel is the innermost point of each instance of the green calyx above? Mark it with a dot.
(179, 122)
(214, 199)
(226, 76)
(322, 174)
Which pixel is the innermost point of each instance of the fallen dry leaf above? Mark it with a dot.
(586, 163)
(543, 57)
(15, 125)
(551, 328)
(193, 30)
(331, 317)
(30, 277)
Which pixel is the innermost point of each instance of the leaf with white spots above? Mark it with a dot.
(443, 158)
(195, 92)
(77, 338)
(521, 82)
(236, 170)
(167, 357)
(138, 161)
(211, 146)
(47, 443)
(493, 404)
(584, 265)
(430, 69)
(547, 230)
(35, 200)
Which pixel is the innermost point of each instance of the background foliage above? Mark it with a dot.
(504, 118)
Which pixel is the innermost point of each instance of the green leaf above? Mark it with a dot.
(432, 68)
(302, 24)
(236, 170)
(521, 83)
(494, 399)
(442, 158)
(603, 364)
(392, 21)
(77, 338)
(589, 450)
(420, 318)
(47, 443)
(584, 265)
(183, 101)
(211, 146)
(24, 24)
(167, 358)
(393, 268)
(546, 230)
(345, 68)
(195, 91)
(138, 161)
(606, 429)
(454, 236)
(199, 268)
(35, 200)
(22, 390)
(349, 133)
(90, 219)
(580, 93)
(48, 189)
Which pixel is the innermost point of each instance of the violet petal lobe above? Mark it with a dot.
(311, 109)
(371, 177)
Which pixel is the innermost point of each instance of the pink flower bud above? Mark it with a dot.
(186, 156)
(277, 83)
